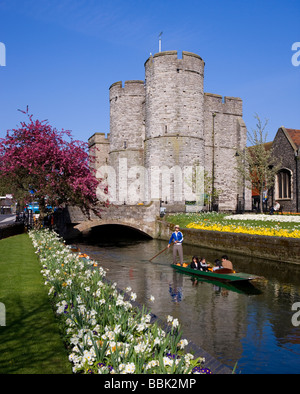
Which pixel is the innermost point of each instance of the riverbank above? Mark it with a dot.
(30, 342)
(287, 226)
(8, 230)
(274, 248)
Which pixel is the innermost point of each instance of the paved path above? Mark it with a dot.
(7, 219)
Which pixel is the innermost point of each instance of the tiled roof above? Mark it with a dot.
(295, 136)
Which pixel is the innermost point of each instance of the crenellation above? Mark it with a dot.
(116, 85)
(98, 138)
(233, 106)
(226, 105)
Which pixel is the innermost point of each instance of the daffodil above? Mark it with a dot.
(244, 229)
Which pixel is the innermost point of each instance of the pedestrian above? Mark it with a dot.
(177, 238)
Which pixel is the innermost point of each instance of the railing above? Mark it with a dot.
(26, 218)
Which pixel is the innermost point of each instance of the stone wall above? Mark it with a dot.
(225, 133)
(11, 229)
(99, 146)
(284, 152)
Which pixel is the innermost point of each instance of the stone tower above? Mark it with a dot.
(174, 115)
(165, 129)
(127, 132)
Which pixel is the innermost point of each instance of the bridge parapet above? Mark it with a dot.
(140, 217)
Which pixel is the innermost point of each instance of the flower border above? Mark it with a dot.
(104, 333)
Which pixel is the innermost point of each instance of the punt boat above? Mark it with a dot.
(222, 274)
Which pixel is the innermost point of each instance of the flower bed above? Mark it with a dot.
(265, 218)
(244, 229)
(268, 225)
(102, 330)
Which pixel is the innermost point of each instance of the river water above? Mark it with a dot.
(252, 326)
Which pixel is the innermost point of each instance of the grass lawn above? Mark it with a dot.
(30, 342)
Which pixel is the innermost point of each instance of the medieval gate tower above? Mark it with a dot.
(166, 128)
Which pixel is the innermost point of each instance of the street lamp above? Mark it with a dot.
(213, 162)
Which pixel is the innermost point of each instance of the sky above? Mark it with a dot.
(61, 56)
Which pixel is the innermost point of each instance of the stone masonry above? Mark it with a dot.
(285, 149)
(167, 135)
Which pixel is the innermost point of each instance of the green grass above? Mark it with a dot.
(183, 219)
(30, 343)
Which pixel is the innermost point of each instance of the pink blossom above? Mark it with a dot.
(38, 157)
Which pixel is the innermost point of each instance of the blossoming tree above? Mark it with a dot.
(37, 162)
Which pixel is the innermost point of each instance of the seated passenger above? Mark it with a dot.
(218, 265)
(275, 208)
(203, 265)
(195, 263)
(226, 263)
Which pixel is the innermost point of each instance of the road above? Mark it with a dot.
(7, 219)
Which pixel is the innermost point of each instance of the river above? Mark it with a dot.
(252, 326)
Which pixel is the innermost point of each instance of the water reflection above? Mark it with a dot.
(252, 326)
(175, 287)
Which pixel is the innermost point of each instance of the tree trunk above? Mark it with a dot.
(261, 201)
(42, 210)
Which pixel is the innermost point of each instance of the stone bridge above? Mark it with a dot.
(139, 217)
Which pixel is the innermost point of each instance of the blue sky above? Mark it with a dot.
(63, 55)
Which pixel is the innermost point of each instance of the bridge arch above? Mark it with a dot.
(114, 227)
(142, 218)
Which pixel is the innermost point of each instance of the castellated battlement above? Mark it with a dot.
(194, 61)
(224, 105)
(98, 138)
(130, 87)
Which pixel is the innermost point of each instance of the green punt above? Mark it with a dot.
(223, 274)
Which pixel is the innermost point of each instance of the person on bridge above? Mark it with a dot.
(177, 238)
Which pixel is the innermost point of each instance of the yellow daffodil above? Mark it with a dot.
(231, 228)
